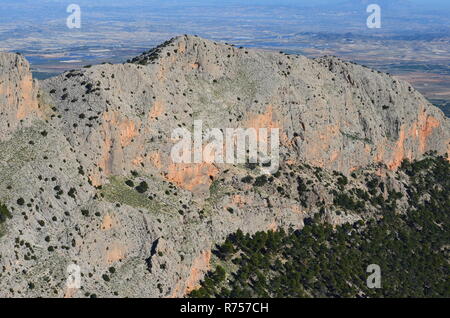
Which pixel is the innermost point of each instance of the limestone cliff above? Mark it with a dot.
(18, 93)
(332, 113)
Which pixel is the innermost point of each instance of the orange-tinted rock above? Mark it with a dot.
(18, 94)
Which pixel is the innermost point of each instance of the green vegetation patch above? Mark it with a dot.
(117, 191)
(4, 216)
(4, 213)
(355, 137)
(321, 261)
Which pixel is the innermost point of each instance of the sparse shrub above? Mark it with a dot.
(129, 183)
(342, 181)
(4, 213)
(345, 201)
(142, 187)
(134, 173)
(247, 179)
(72, 193)
(372, 184)
(81, 170)
(260, 181)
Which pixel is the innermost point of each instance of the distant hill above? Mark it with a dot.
(444, 105)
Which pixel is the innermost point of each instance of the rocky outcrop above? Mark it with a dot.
(331, 113)
(387, 119)
(88, 178)
(18, 93)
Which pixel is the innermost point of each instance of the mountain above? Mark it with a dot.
(87, 176)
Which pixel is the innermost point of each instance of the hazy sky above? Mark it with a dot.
(219, 18)
(436, 3)
(29, 25)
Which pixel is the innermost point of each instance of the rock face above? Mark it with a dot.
(72, 162)
(332, 114)
(18, 93)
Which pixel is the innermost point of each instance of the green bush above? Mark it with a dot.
(129, 183)
(142, 187)
(4, 213)
(260, 181)
(247, 179)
